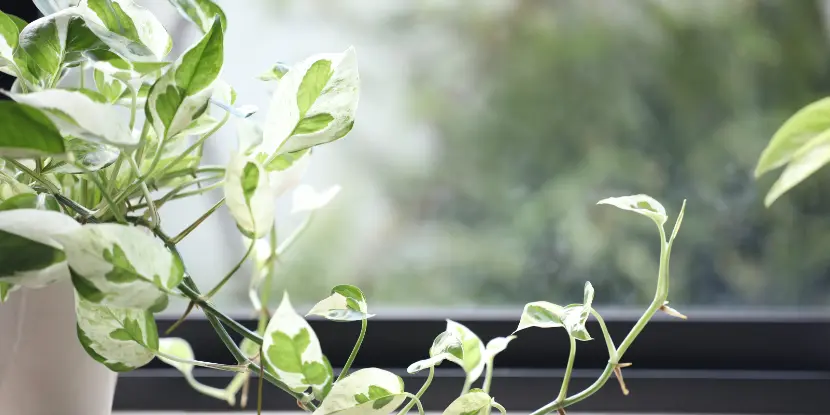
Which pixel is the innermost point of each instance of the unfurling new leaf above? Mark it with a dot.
(248, 196)
(346, 303)
(572, 317)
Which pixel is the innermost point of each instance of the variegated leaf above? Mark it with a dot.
(122, 339)
(446, 346)
(248, 196)
(27, 132)
(49, 44)
(9, 35)
(181, 95)
(6, 290)
(346, 303)
(79, 114)
(31, 254)
(470, 403)
(368, 391)
(292, 352)
(497, 345)
(47, 7)
(200, 12)
(85, 156)
(180, 349)
(127, 28)
(547, 315)
(314, 103)
(121, 266)
(642, 204)
(473, 358)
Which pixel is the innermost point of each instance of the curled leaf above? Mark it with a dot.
(642, 204)
(308, 199)
(547, 315)
(346, 303)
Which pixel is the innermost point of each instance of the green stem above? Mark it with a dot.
(119, 216)
(150, 205)
(420, 393)
(172, 194)
(563, 391)
(498, 406)
(283, 247)
(210, 309)
(37, 177)
(488, 375)
(659, 299)
(612, 350)
(228, 276)
(355, 349)
(176, 239)
(133, 100)
(417, 400)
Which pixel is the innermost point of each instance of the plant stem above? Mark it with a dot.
(498, 406)
(659, 299)
(612, 350)
(563, 391)
(133, 99)
(210, 309)
(488, 375)
(176, 239)
(119, 216)
(420, 393)
(150, 205)
(417, 400)
(355, 349)
(228, 276)
(46, 183)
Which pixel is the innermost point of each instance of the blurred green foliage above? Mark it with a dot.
(560, 104)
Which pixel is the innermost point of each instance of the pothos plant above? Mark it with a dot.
(82, 160)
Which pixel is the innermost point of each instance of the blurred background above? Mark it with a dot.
(487, 131)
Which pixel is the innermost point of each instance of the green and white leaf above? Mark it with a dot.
(446, 346)
(180, 349)
(306, 199)
(800, 129)
(497, 345)
(5, 291)
(473, 359)
(200, 12)
(77, 114)
(9, 35)
(314, 103)
(292, 352)
(121, 266)
(470, 403)
(51, 43)
(31, 254)
(642, 204)
(181, 95)
(286, 171)
(122, 339)
(543, 314)
(127, 28)
(21, 201)
(248, 196)
(275, 73)
(364, 392)
(27, 132)
(807, 160)
(107, 85)
(9, 187)
(346, 303)
(88, 155)
(48, 7)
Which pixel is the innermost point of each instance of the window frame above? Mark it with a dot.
(749, 362)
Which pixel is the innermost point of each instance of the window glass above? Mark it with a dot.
(488, 130)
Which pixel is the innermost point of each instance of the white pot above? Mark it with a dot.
(43, 368)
